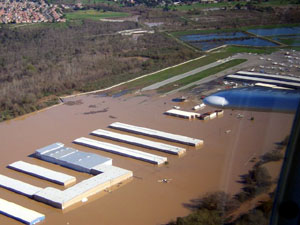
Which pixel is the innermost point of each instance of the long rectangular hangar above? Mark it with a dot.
(270, 76)
(182, 114)
(43, 173)
(17, 186)
(139, 142)
(106, 176)
(156, 134)
(116, 149)
(71, 158)
(264, 80)
(20, 213)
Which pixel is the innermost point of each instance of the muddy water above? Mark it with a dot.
(143, 200)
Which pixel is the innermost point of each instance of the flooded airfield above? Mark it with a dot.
(230, 143)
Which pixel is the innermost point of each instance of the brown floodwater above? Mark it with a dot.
(142, 200)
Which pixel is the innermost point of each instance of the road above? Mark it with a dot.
(252, 60)
(187, 74)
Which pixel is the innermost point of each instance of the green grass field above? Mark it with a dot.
(211, 57)
(177, 34)
(198, 5)
(98, 1)
(257, 50)
(163, 75)
(75, 18)
(200, 75)
(93, 15)
(275, 3)
(291, 40)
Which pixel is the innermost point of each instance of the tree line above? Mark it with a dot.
(216, 208)
(40, 62)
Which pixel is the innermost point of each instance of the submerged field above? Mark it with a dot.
(87, 54)
(144, 200)
(41, 63)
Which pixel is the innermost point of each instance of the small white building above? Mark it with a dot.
(182, 114)
(199, 107)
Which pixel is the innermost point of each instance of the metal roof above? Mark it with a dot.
(18, 186)
(264, 80)
(41, 172)
(20, 213)
(181, 113)
(71, 158)
(264, 75)
(136, 154)
(156, 134)
(107, 176)
(139, 141)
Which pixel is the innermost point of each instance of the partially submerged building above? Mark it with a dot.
(269, 76)
(71, 158)
(18, 186)
(208, 115)
(219, 112)
(212, 115)
(159, 146)
(199, 106)
(116, 149)
(43, 173)
(204, 116)
(278, 80)
(157, 134)
(106, 176)
(20, 213)
(182, 114)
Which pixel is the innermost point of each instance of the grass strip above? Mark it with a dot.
(166, 74)
(93, 15)
(200, 75)
(255, 50)
(199, 5)
(99, 1)
(290, 41)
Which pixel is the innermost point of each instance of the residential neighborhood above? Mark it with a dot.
(29, 12)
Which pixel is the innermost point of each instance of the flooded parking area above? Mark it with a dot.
(229, 143)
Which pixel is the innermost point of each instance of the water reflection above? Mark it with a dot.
(205, 37)
(276, 31)
(247, 42)
(256, 98)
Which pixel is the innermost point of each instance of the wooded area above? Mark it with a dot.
(39, 62)
(219, 208)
